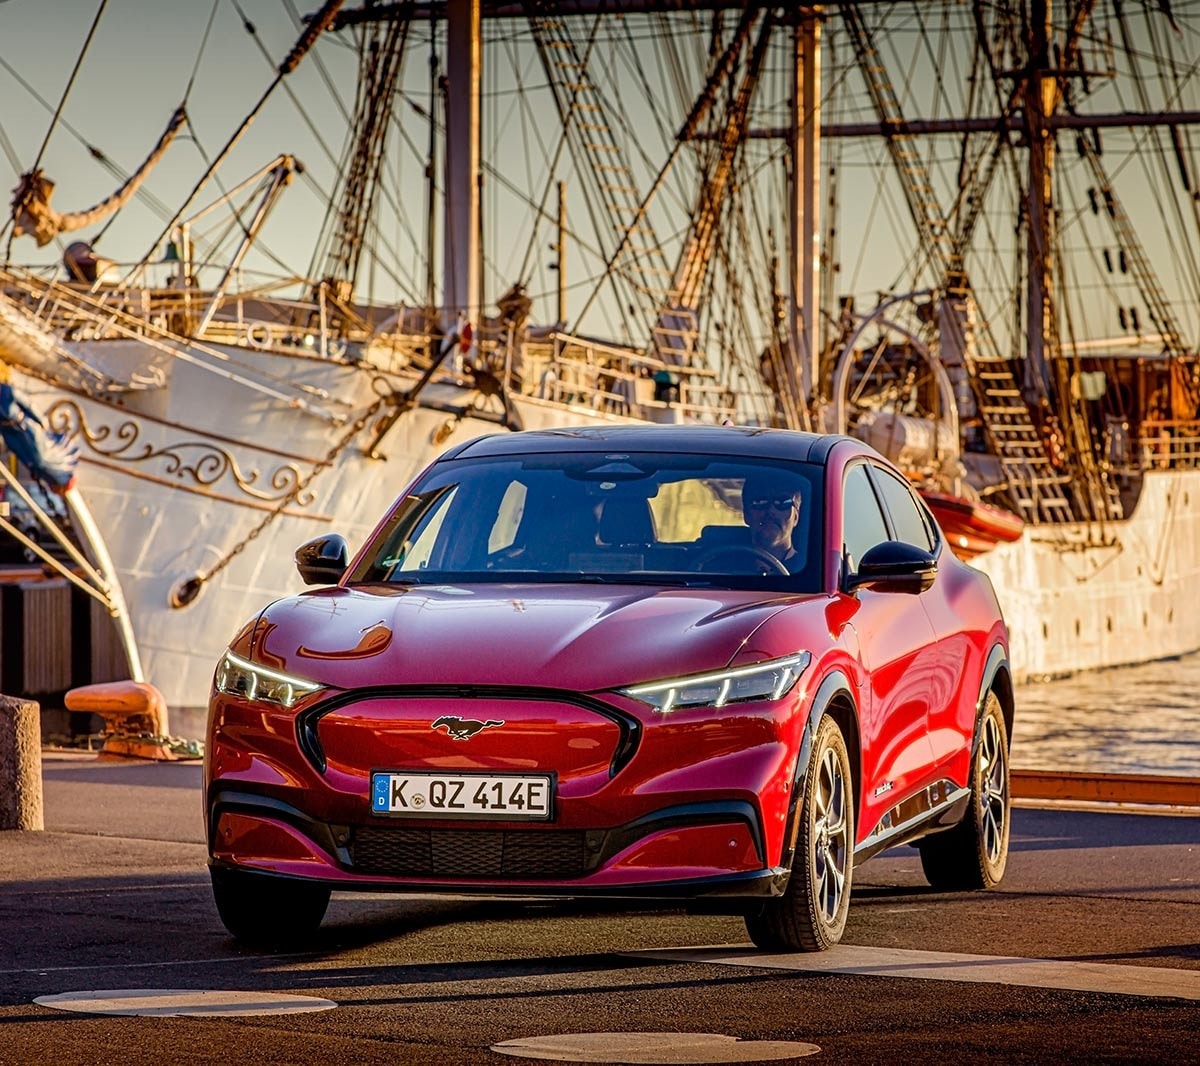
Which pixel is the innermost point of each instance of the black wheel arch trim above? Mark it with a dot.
(833, 684)
(996, 677)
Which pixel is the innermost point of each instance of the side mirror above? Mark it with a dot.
(894, 567)
(323, 561)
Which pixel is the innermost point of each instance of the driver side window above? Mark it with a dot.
(418, 550)
(862, 521)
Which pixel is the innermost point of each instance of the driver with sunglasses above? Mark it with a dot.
(771, 511)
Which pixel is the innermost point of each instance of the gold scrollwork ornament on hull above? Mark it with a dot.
(201, 462)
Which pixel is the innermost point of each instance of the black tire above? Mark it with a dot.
(811, 914)
(974, 853)
(260, 909)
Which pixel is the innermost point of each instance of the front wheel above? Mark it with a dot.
(811, 914)
(260, 909)
(975, 852)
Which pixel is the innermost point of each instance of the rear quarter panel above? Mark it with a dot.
(967, 623)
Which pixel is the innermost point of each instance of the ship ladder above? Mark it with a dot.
(1037, 487)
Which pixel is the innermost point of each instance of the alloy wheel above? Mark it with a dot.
(831, 839)
(993, 784)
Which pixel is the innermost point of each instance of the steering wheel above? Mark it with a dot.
(759, 555)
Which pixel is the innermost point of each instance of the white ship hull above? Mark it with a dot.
(178, 488)
(1079, 597)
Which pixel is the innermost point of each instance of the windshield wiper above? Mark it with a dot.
(672, 580)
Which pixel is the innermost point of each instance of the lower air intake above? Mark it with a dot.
(467, 853)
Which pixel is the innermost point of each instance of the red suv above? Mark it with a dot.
(678, 663)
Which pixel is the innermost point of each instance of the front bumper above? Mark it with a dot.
(685, 852)
(674, 806)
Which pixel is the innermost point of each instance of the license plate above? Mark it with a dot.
(502, 797)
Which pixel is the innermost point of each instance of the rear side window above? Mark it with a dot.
(907, 517)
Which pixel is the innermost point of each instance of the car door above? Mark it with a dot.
(895, 639)
(954, 687)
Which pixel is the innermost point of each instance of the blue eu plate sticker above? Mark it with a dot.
(379, 799)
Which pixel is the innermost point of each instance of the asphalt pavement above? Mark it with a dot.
(1089, 951)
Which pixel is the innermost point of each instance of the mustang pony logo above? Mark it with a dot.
(463, 728)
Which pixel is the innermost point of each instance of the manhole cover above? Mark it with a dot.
(175, 1002)
(653, 1048)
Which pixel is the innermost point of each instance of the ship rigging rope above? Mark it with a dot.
(70, 83)
(201, 50)
(641, 265)
(331, 157)
(1179, 248)
(551, 176)
(187, 92)
(313, 128)
(498, 176)
(1147, 159)
(13, 159)
(568, 107)
(155, 204)
(320, 22)
(538, 205)
(57, 114)
(394, 202)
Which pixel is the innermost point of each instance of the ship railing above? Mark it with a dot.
(81, 311)
(76, 314)
(1169, 444)
(268, 322)
(570, 370)
(250, 319)
(551, 365)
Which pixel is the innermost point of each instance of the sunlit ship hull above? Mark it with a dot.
(1079, 597)
(202, 482)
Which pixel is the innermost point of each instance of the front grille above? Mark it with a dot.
(521, 854)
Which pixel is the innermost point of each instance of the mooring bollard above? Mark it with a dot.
(20, 764)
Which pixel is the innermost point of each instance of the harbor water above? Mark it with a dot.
(1133, 719)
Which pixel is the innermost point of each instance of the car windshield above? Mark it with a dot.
(655, 518)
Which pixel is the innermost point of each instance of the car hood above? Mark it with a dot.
(584, 638)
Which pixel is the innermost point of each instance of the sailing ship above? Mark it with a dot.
(669, 236)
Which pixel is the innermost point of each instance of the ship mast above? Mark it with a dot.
(805, 208)
(461, 267)
(1041, 90)
(464, 63)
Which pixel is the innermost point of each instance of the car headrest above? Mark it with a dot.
(626, 520)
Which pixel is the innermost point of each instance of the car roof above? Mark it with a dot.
(748, 441)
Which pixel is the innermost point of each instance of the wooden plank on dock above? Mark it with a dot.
(1073, 786)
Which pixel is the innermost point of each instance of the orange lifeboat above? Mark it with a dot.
(972, 527)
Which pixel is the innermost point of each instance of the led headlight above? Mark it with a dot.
(762, 681)
(238, 677)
